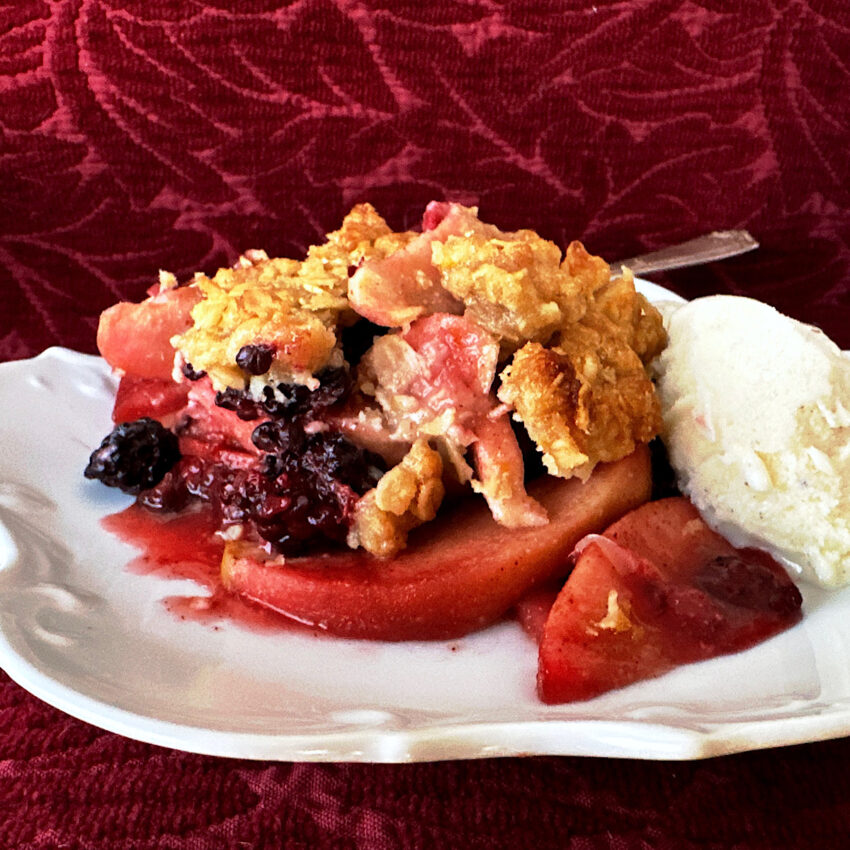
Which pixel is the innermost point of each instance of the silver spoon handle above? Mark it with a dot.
(704, 249)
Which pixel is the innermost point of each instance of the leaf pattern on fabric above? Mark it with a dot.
(146, 135)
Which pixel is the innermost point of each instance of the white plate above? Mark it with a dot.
(84, 634)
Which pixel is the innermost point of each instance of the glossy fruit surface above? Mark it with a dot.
(657, 590)
(157, 398)
(458, 574)
(134, 456)
(136, 338)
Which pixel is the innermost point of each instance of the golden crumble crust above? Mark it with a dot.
(267, 302)
(587, 270)
(407, 495)
(633, 314)
(363, 235)
(586, 400)
(293, 306)
(513, 284)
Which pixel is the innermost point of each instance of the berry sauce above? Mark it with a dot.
(185, 546)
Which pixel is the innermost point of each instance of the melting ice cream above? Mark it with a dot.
(757, 425)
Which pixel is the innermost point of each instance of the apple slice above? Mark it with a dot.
(657, 590)
(459, 573)
(136, 338)
(155, 397)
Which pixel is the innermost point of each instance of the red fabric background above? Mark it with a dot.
(140, 134)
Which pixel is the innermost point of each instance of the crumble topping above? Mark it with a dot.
(627, 308)
(514, 285)
(484, 336)
(270, 303)
(587, 397)
(293, 307)
(617, 618)
(407, 495)
(585, 400)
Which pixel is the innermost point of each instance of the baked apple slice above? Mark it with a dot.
(657, 590)
(136, 338)
(458, 574)
(158, 398)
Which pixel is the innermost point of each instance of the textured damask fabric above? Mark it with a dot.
(138, 135)
(141, 134)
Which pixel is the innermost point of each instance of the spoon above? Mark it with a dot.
(704, 249)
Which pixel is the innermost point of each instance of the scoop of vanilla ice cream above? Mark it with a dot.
(757, 425)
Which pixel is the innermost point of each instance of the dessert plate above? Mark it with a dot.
(85, 634)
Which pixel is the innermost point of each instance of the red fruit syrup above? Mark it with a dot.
(185, 546)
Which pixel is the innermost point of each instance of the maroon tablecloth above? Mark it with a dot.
(142, 134)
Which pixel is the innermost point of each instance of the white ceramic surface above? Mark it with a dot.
(81, 632)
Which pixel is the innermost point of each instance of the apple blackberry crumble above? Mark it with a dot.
(342, 399)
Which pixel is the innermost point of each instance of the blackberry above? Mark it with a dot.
(321, 481)
(332, 458)
(239, 402)
(334, 386)
(278, 435)
(240, 495)
(255, 359)
(288, 399)
(301, 497)
(190, 374)
(296, 400)
(134, 456)
(307, 522)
